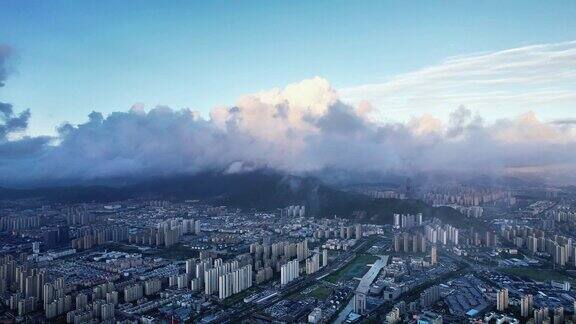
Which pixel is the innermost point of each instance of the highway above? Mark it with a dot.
(413, 294)
(363, 287)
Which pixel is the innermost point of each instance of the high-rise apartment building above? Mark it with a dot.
(502, 299)
(526, 305)
(289, 272)
(433, 255)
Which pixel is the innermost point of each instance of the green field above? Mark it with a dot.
(320, 292)
(542, 275)
(176, 252)
(357, 268)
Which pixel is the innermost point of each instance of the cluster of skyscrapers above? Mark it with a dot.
(15, 223)
(561, 248)
(406, 221)
(166, 233)
(464, 195)
(409, 242)
(88, 238)
(289, 272)
(28, 281)
(430, 296)
(235, 281)
(293, 211)
(442, 234)
(542, 315)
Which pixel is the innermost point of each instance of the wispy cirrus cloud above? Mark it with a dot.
(541, 78)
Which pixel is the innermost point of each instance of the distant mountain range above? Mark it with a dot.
(266, 190)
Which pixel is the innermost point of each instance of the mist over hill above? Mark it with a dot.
(263, 190)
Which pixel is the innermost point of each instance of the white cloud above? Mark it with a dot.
(307, 127)
(541, 78)
(299, 129)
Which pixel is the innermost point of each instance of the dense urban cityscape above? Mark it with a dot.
(509, 258)
(271, 162)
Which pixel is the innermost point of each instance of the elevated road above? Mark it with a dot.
(344, 259)
(414, 294)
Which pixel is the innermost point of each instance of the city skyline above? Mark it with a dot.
(261, 162)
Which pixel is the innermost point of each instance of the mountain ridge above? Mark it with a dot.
(264, 190)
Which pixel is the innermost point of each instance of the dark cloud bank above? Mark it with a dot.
(302, 129)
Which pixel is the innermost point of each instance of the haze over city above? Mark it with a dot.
(287, 162)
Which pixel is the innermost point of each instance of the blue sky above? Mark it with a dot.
(73, 57)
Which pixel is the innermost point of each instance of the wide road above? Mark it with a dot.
(252, 308)
(414, 293)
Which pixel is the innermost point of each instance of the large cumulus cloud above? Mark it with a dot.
(302, 128)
